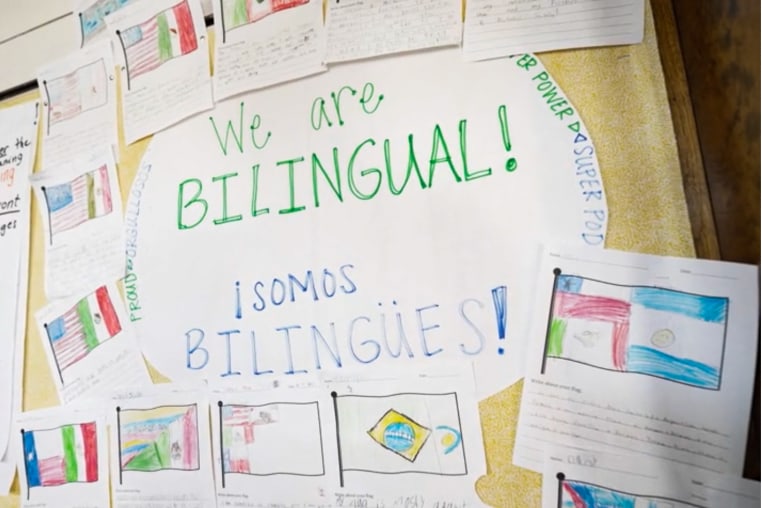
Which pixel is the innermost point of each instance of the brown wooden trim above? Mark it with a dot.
(688, 147)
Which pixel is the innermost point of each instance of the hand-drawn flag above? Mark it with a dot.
(661, 332)
(90, 322)
(167, 35)
(281, 5)
(579, 494)
(92, 19)
(164, 437)
(61, 455)
(276, 438)
(81, 90)
(401, 433)
(72, 203)
(242, 12)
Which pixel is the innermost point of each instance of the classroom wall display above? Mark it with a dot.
(382, 213)
(652, 219)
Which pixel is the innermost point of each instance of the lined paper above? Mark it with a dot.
(161, 84)
(363, 29)
(268, 47)
(90, 345)
(638, 481)
(627, 352)
(79, 204)
(496, 28)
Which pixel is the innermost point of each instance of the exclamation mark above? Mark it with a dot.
(499, 300)
(510, 164)
(238, 299)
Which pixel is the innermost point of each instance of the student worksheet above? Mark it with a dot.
(262, 44)
(407, 439)
(359, 29)
(580, 478)
(90, 344)
(163, 54)
(502, 28)
(79, 104)
(160, 451)
(81, 211)
(641, 354)
(274, 446)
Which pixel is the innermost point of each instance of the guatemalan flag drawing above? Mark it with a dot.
(660, 332)
(167, 35)
(61, 455)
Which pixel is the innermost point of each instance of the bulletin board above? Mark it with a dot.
(621, 96)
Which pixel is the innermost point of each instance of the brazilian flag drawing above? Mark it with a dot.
(401, 433)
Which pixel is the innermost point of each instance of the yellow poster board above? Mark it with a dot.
(621, 96)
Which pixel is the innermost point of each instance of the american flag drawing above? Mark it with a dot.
(167, 35)
(86, 197)
(81, 90)
(78, 331)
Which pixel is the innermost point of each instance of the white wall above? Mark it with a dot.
(35, 32)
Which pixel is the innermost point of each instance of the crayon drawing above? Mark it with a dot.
(83, 89)
(158, 438)
(60, 455)
(238, 13)
(84, 198)
(91, 19)
(252, 439)
(85, 326)
(577, 494)
(165, 36)
(400, 433)
(660, 332)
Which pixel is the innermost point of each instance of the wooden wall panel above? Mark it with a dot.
(720, 43)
